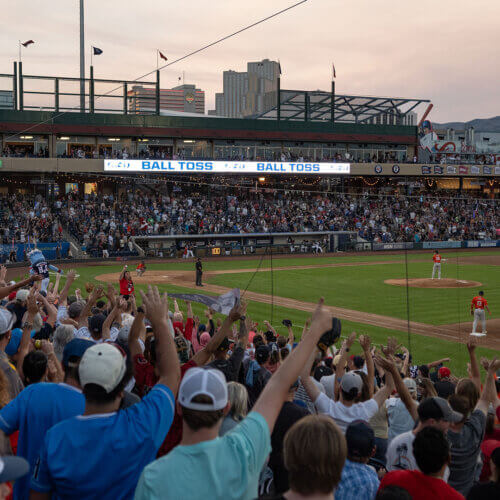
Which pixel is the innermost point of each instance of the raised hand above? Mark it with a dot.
(31, 301)
(156, 306)
(321, 318)
(365, 342)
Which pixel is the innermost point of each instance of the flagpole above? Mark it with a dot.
(157, 65)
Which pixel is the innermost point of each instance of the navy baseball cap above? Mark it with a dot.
(75, 349)
(360, 439)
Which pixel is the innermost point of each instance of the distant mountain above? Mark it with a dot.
(480, 125)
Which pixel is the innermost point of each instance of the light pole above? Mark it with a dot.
(82, 59)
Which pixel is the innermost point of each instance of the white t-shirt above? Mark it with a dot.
(399, 454)
(344, 415)
(328, 382)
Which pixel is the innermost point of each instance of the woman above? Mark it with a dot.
(238, 397)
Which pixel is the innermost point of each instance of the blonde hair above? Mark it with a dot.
(314, 465)
(237, 395)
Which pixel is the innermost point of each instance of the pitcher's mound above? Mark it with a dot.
(434, 283)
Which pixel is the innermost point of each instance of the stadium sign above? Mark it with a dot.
(225, 167)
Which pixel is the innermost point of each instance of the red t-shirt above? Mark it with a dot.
(437, 258)
(126, 287)
(420, 486)
(479, 302)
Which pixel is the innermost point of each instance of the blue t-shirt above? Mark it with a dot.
(227, 467)
(33, 412)
(102, 456)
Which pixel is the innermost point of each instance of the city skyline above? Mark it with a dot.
(447, 56)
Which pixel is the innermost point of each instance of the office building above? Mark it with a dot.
(183, 98)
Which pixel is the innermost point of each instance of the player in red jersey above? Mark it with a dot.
(126, 283)
(437, 264)
(477, 307)
(141, 268)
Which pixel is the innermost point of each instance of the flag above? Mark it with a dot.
(221, 304)
(279, 67)
(97, 51)
(29, 42)
(162, 56)
(180, 78)
(334, 73)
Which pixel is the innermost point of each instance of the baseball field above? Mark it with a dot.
(367, 292)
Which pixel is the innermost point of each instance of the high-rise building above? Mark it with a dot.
(248, 93)
(184, 98)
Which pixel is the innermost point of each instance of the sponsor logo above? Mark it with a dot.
(426, 169)
(395, 169)
(438, 169)
(450, 169)
(475, 170)
(487, 170)
(189, 98)
(378, 169)
(462, 169)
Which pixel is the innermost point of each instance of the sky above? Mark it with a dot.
(446, 51)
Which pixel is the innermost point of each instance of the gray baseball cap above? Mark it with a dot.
(7, 319)
(351, 380)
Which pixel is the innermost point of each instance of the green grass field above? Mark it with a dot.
(360, 288)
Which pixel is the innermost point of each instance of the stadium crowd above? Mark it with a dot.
(105, 223)
(104, 398)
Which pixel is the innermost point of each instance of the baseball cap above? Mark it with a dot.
(438, 409)
(12, 295)
(15, 339)
(411, 385)
(103, 365)
(360, 439)
(206, 382)
(22, 295)
(6, 320)
(96, 322)
(262, 354)
(75, 309)
(350, 381)
(444, 372)
(12, 468)
(75, 349)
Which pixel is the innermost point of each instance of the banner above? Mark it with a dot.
(48, 249)
(393, 246)
(221, 304)
(225, 167)
(442, 244)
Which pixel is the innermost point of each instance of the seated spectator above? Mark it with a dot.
(358, 479)
(432, 454)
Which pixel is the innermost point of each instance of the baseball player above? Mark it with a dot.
(477, 306)
(437, 264)
(141, 268)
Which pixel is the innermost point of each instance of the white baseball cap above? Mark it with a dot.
(22, 295)
(103, 365)
(206, 382)
(6, 320)
(350, 381)
(411, 385)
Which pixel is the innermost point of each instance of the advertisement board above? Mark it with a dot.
(225, 167)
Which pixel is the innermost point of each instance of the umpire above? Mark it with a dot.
(199, 272)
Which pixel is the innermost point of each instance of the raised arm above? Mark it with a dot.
(386, 390)
(489, 394)
(70, 278)
(404, 394)
(365, 343)
(167, 360)
(437, 362)
(5, 291)
(24, 344)
(124, 270)
(270, 327)
(50, 308)
(106, 326)
(93, 297)
(274, 394)
(474, 365)
(137, 327)
(340, 368)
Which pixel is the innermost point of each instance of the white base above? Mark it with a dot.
(478, 334)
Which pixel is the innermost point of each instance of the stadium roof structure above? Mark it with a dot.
(317, 106)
